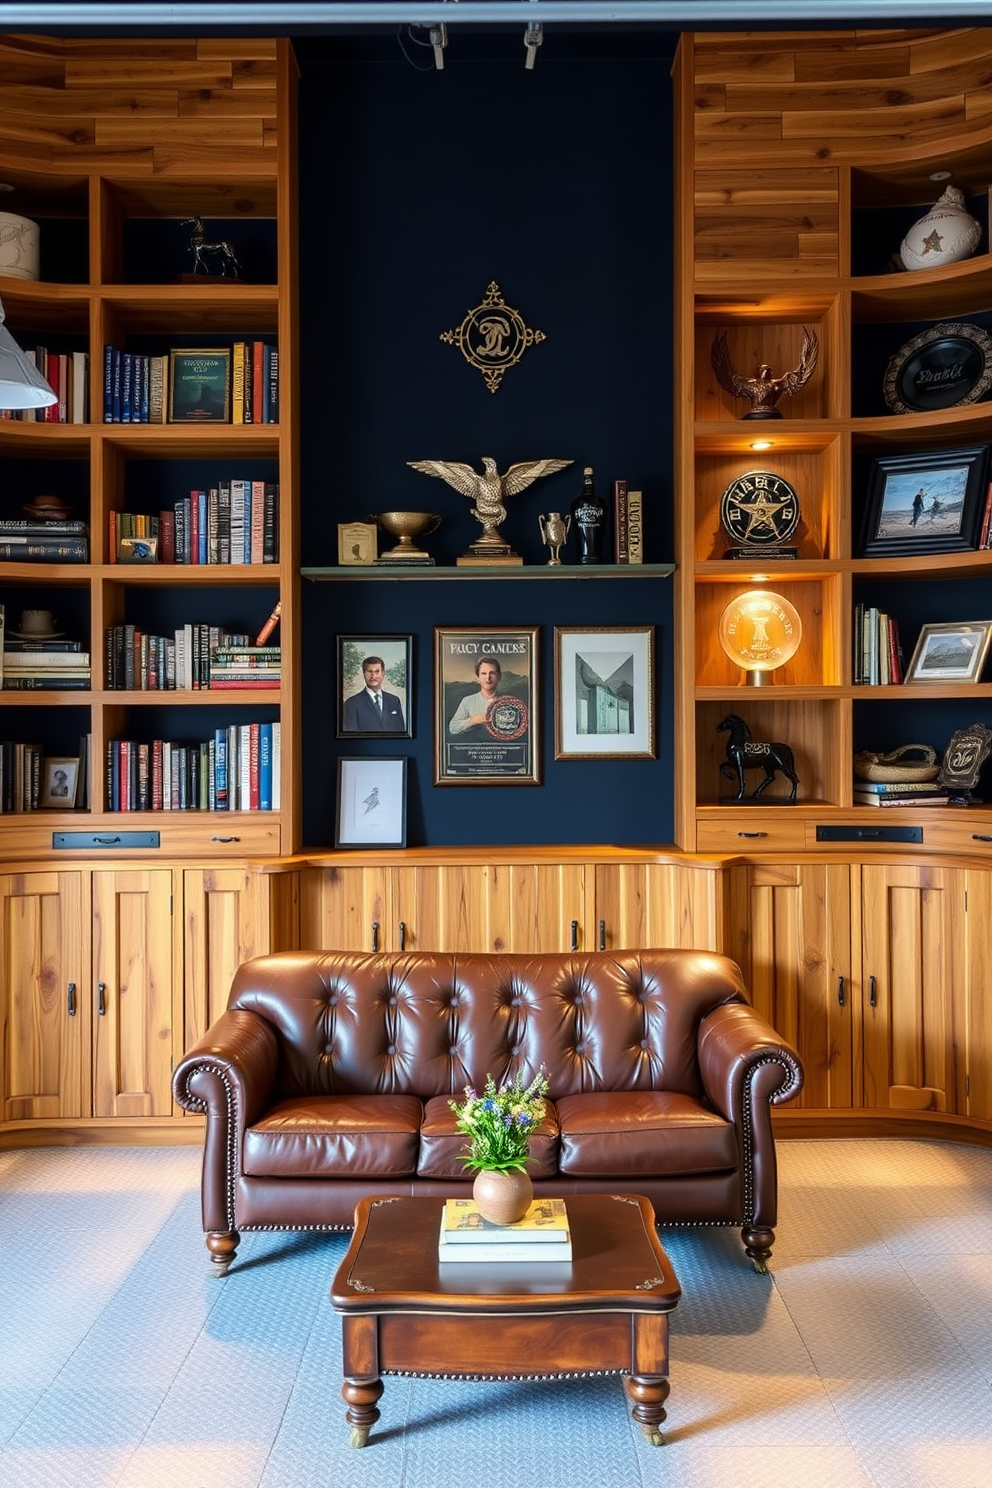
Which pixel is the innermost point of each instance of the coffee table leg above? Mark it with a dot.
(647, 1397)
(360, 1396)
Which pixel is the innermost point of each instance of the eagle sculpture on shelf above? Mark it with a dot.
(763, 391)
(489, 490)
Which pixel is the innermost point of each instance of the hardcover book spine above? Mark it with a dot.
(272, 416)
(238, 383)
(621, 550)
(635, 526)
(257, 542)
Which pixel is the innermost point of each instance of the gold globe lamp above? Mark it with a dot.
(760, 631)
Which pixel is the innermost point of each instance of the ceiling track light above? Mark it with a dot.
(439, 40)
(533, 36)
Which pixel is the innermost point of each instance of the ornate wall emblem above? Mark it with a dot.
(493, 337)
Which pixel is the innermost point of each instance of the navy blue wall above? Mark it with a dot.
(417, 189)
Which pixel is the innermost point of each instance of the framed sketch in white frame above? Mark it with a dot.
(604, 692)
(371, 802)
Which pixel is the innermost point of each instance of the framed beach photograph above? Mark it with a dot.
(371, 802)
(200, 385)
(954, 652)
(604, 692)
(485, 705)
(930, 502)
(58, 785)
(375, 686)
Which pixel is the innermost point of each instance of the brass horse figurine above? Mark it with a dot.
(200, 244)
(743, 753)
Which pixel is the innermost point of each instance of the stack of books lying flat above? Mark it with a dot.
(542, 1235)
(875, 793)
(45, 666)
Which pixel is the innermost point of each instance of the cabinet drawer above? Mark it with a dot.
(752, 833)
(965, 834)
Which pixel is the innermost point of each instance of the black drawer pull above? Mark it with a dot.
(981, 836)
(225, 839)
(840, 991)
(575, 935)
(375, 935)
(752, 834)
(106, 841)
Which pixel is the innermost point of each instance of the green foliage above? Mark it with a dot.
(498, 1123)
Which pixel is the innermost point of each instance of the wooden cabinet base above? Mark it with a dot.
(165, 1131)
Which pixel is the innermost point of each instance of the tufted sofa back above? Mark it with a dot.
(429, 1024)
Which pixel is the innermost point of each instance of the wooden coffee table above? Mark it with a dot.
(604, 1312)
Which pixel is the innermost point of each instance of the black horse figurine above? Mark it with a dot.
(200, 245)
(744, 754)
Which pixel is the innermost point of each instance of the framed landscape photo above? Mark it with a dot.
(200, 385)
(485, 705)
(930, 502)
(604, 692)
(58, 786)
(371, 802)
(954, 652)
(375, 686)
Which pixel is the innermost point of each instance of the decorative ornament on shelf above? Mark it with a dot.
(764, 390)
(554, 530)
(760, 631)
(499, 1124)
(488, 492)
(745, 753)
(204, 249)
(893, 768)
(760, 510)
(403, 527)
(492, 337)
(963, 760)
(944, 235)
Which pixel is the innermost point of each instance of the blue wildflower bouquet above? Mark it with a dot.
(498, 1123)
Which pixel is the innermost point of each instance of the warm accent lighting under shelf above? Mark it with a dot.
(760, 631)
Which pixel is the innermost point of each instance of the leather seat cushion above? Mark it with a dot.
(442, 1145)
(630, 1134)
(328, 1136)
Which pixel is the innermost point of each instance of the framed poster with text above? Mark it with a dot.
(485, 716)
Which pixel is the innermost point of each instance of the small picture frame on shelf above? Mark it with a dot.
(58, 786)
(137, 550)
(485, 705)
(929, 502)
(200, 385)
(952, 652)
(357, 544)
(371, 802)
(375, 686)
(604, 692)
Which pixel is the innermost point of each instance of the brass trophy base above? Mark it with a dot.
(404, 558)
(759, 555)
(488, 559)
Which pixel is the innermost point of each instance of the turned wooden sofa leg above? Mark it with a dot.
(758, 1242)
(222, 1245)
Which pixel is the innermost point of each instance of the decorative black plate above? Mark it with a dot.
(944, 367)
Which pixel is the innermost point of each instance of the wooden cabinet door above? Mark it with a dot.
(912, 934)
(44, 995)
(345, 908)
(136, 1004)
(975, 1048)
(638, 905)
(789, 928)
(227, 919)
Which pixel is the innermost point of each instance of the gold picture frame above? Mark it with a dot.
(954, 651)
(486, 728)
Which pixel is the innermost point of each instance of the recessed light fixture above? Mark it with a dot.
(940, 175)
(760, 444)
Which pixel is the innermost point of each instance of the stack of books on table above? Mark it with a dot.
(922, 793)
(45, 666)
(467, 1238)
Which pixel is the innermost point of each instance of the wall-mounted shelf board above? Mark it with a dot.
(377, 573)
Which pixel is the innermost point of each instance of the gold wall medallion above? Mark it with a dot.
(493, 337)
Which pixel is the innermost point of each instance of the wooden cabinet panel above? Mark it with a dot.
(973, 1006)
(344, 908)
(44, 996)
(654, 904)
(133, 992)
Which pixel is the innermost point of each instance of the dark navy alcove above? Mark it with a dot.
(417, 189)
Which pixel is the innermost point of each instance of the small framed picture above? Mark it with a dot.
(375, 686)
(371, 802)
(59, 781)
(931, 502)
(604, 692)
(485, 710)
(358, 544)
(200, 385)
(954, 652)
(137, 550)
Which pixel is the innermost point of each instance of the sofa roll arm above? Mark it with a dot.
(738, 1049)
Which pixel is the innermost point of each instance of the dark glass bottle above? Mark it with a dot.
(589, 521)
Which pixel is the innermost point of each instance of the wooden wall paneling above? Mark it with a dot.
(974, 1046)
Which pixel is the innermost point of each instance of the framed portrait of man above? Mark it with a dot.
(485, 705)
(375, 686)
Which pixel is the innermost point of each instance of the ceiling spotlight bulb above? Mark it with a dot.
(940, 175)
(759, 631)
(761, 444)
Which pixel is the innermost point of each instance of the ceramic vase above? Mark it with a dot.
(947, 234)
(503, 1198)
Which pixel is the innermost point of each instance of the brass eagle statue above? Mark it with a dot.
(763, 391)
(488, 491)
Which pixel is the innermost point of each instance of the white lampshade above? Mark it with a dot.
(21, 384)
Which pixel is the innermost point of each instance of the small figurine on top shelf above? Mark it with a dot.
(203, 248)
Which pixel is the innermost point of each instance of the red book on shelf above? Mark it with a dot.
(895, 658)
(166, 537)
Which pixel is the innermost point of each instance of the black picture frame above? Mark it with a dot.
(928, 502)
(356, 718)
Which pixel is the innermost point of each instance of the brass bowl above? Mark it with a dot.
(405, 526)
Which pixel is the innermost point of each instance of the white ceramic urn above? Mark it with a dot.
(945, 235)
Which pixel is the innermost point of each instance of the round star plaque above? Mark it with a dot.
(760, 510)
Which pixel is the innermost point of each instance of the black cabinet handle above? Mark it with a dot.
(602, 935)
(106, 841)
(402, 935)
(101, 999)
(840, 991)
(981, 836)
(71, 999)
(225, 839)
(375, 935)
(752, 834)
(575, 935)
(872, 992)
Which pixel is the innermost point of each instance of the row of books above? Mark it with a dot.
(20, 776)
(234, 522)
(31, 779)
(913, 793)
(68, 375)
(237, 769)
(188, 385)
(466, 1238)
(628, 524)
(255, 383)
(196, 656)
(878, 658)
(26, 540)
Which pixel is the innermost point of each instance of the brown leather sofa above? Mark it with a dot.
(328, 1078)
